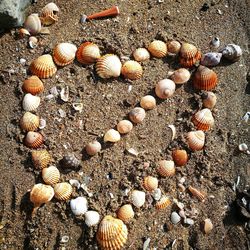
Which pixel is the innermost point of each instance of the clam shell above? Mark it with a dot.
(158, 49)
(50, 175)
(88, 53)
(33, 24)
(124, 126)
(43, 66)
(209, 100)
(137, 115)
(93, 148)
(141, 55)
(49, 14)
(166, 168)
(196, 140)
(108, 66)
(79, 205)
(180, 76)
(148, 102)
(40, 158)
(112, 135)
(70, 161)
(33, 139)
(211, 59)
(163, 202)
(112, 233)
(232, 52)
(132, 70)
(92, 218)
(29, 122)
(23, 32)
(198, 194)
(165, 88)
(189, 55)
(31, 102)
(125, 213)
(138, 198)
(64, 53)
(203, 119)
(33, 85)
(173, 47)
(150, 183)
(180, 157)
(63, 191)
(208, 226)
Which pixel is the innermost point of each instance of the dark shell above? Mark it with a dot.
(211, 59)
(70, 161)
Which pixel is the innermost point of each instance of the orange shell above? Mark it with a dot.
(125, 213)
(33, 85)
(180, 157)
(88, 53)
(43, 66)
(50, 175)
(132, 70)
(196, 140)
(203, 119)
(33, 139)
(150, 183)
(198, 194)
(189, 62)
(158, 49)
(63, 191)
(40, 158)
(64, 53)
(163, 202)
(166, 168)
(29, 122)
(188, 51)
(124, 126)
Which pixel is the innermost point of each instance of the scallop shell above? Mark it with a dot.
(43, 66)
(49, 14)
(132, 70)
(125, 213)
(180, 76)
(64, 53)
(93, 148)
(88, 53)
(29, 122)
(211, 59)
(196, 140)
(158, 49)
(112, 233)
(163, 202)
(79, 205)
(141, 55)
(205, 78)
(50, 175)
(203, 119)
(148, 102)
(209, 100)
(33, 85)
(70, 161)
(198, 194)
(180, 157)
(137, 115)
(150, 183)
(124, 126)
(166, 168)
(173, 47)
(31, 102)
(33, 24)
(189, 55)
(165, 88)
(40, 158)
(33, 139)
(112, 135)
(108, 66)
(63, 191)
(92, 218)
(232, 52)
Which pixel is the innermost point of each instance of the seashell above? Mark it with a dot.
(150, 183)
(49, 14)
(203, 119)
(31, 102)
(79, 206)
(198, 194)
(124, 126)
(173, 47)
(180, 157)
(138, 198)
(125, 213)
(29, 122)
(70, 161)
(173, 130)
(93, 148)
(132, 70)
(63, 191)
(158, 49)
(243, 147)
(209, 100)
(232, 52)
(33, 42)
(141, 55)
(64, 53)
(23, 32)
(33, 24)
(211, 59)
(163, 202)
(189, 55)
(112, 233)
(175, 218)
(112, 135)
(196, 140)
(180, 76)
(108, 66)
(137, 115)
(50, 175)
(92, 218)
(33, 85)
(166, 168)
(205, 78)
(148, 102)
(33, 139)
(88, 53)
(40, 158)
(113, 11)
(215, 43)
(165, 88)
(208, 226)
(43, 66)
(156, 194)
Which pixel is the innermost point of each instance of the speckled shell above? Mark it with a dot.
(108, 66)
(64, 53)
(29, 122)
(198, 194)
(49, 14)
(205, 78)
(232, 52)
(138, 198)
(70, 161)
(33, 85)
(91, 218)
(173, 47)
(180, 76)
(112, 135)
(33, 24)
(141, 55)
(31, 102)
(158, 49)
(33, 139)
(165, 88)
(163, 202)
(203, 119)
(166, 168)
(137, 115)
(93, 148)
(196, 140)
(125, 213)
(50, 175)
(189, 55)
(148, 102)
(43, 66)
(40, 158)
(150, 183)
(124, 126)
(132, 70)
(63, 191)
(180, 157)
(88, 53)
(211, 59)
(112, 233)
(209, 100)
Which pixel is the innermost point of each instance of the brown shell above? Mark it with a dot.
(173, 47)
(158, 49)
(150, 183)
(124, 126)
(148, 102)
(125, 213)
(163, 202)
(196, 140)
(132, 70)
(29, 122)
(64, 53)
(166, 168)
(180, 157)
(63, 191)
(198, 194)
(209, 100)
(40, 158)
(50, 175)
(203, 119)
(33, 139)
(88, 53)
(137, 115)
(33, 85)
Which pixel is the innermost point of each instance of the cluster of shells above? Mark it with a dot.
(112, 232)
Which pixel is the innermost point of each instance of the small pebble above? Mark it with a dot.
(156, 194)
(243, 147)
(133, 151)
(65, 239)
(189, 221)
(208, 226)
(42, 123)
(62, 113)
(175, 218)
(22, 61)
(146, 244)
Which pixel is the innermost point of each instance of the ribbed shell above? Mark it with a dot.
(137, 115)
(165, 88)
(31, 102)
(125, 213)
(50, 175)
(189, 55)
(196, 140)
(88, 53)
(203, 119)
(150, 183)
(141, 55)
(64, 53)
(166, 168)
(33, 85)
(198, 194)
(124, 126)
(33, 139)
(29, 122)
(33, 24)
(63, 191)
(180, 157)
(163, 202)
(180, 76)
(49, 14)
(132, 70)
(40, 158)
(158, 49)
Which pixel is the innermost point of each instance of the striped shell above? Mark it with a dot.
(112, 233)
(33, 24)
(180, 76)
(137, 115)
(29, 122)
(112, 135)
(166, 168)
(91, 218)
(49, 14)
(63, 191)
(31, 102)
(165, 88)
(211, 59)
(125, 213)
(88, 53)
(141, 55)
(189, 55)
(43, 66)
(40, 158)
(64, 53)
(209, 100)
(33, 85)
(163, 202)
(148, 102)
(196, 140)
(173, 47)
(150, 183)
(124, 126)
(132, 70)
(138, 198)
(33, 139)
(180, 157)
(50, 175)
(158, 49)
(198, 194)
(203, 119)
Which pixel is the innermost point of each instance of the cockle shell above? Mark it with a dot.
(108, 66)
(50, 175)
(70, 161)
(198, 194)
(150, 183)
(173, 47)
(163, 202)
(165, 88)
(33, 85)
(125, 213)
(88, 53)
(180, 76)
(33, 24)
(148, 102)
(92, 218)
(137, 115)
(63, 191)
(43, 66)
(79, 206)
(112, 135)
(138, 198)
(93, 148)
(40, 158)
(31, 102)
(124, 126)
(209, 100)
(166, 168)
(33, 139)
(158, 49)
(232, 52)
(64, 53)
(49, 14)
(180, 157)
(203, 119)
(189, 55)
(29, 122)
(112, 233)
(211, 59)
(196, 140)
(132, 70)
(141, 55)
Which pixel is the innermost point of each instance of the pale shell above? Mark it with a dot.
(196, 140)
(49, 14)
(166, 168)
(180, 76)
(137, 115)
(163, 202)
(125, 213)
(33, 85)
(173, 47)
(88, 53)
(141, 55)
(33, 24)
(29, 122)
(93, 148)
(211, 59)
(138, 198)
(208, 226)
(232, 52)
(79, 206)
(112, 135)
(132, 70)
(148, 102)
(33, 42)
(124, 126)
(50, 175)
(33, 139)
(31, 102)
(158, 49)
(92, 218)
(63, 191)
(40, 158)
(198, 194)
(150, 183)
(203, 119)
(165, 88)
(209, 100)
(64, 53)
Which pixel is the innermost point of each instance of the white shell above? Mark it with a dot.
(92, 218)
(215, 42)
(165, 88)
(33, 24)
(31, 102)
(79, 205)
(232, 52)
(112, 135)
(141, 54)
(138, 198)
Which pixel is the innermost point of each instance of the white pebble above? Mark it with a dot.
(22, 61)
(79, 205)
(175, 218)
(243, 147)
(92, 218)
(156, 194)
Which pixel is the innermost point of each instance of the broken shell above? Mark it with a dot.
(108, 66)
(112, 233)
(113, 11)
(158, 49)
(180, 157)
(196, 140)
(189, 55)
(209, 100)
(125, 213)
(70, 161)
(33, 42)
(138, 198)
(29, 122)
(50, 175)
(63, 191)
(23, 32)
(93, 148)
(88, 53)
(203, 119)
(64, 53)
(198, 194)
(175, 218)
(208, 226)
(40, 158)
(211, 59)
(232, 52)
(165, 88)
(173, 47)
(141, 55)
(49, 14)
(92, 218)
(33, 139)
(43, 66)
(215, 43)
(166, 168)
(79, 206)
(163, 202)
(124, 126)
(31, 102)
(33, 24)
(33, 85)
(132, 70)
(173, 129)
(150, 183)
(137, 115)
(180, 76)
(148, 102)
(112, 135)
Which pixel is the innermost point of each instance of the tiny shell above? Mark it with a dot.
(124, 126)
(189, 55)
(196, 140)
(173, 47)
(29, 122)
(31, 102)
(148, 102)
(33, 139)
(209, 100)
(125, 213)
(33, 42)
(50, 175)
(175, 218)
(137, 115)
(132, 70)
(215, 43)
(165, 88)
(92, 218)
(198, 194)
(141, 55)
(33, 24)
(203, 119)
(150, 183)
(166, 168)
(64, 53)
(138, 198)
(232, 52)
(70, 161)
(112, 135)
(49, 14)
(23, 32)
(158, 49)
(40, 158)
(180, 157)
(63, 191)
(173, 129)
(88, 53)
(208, 226)
(180, 76)
(93, 148)
(33, 85)
(163, 202)
(211, 59)
(79, 206)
